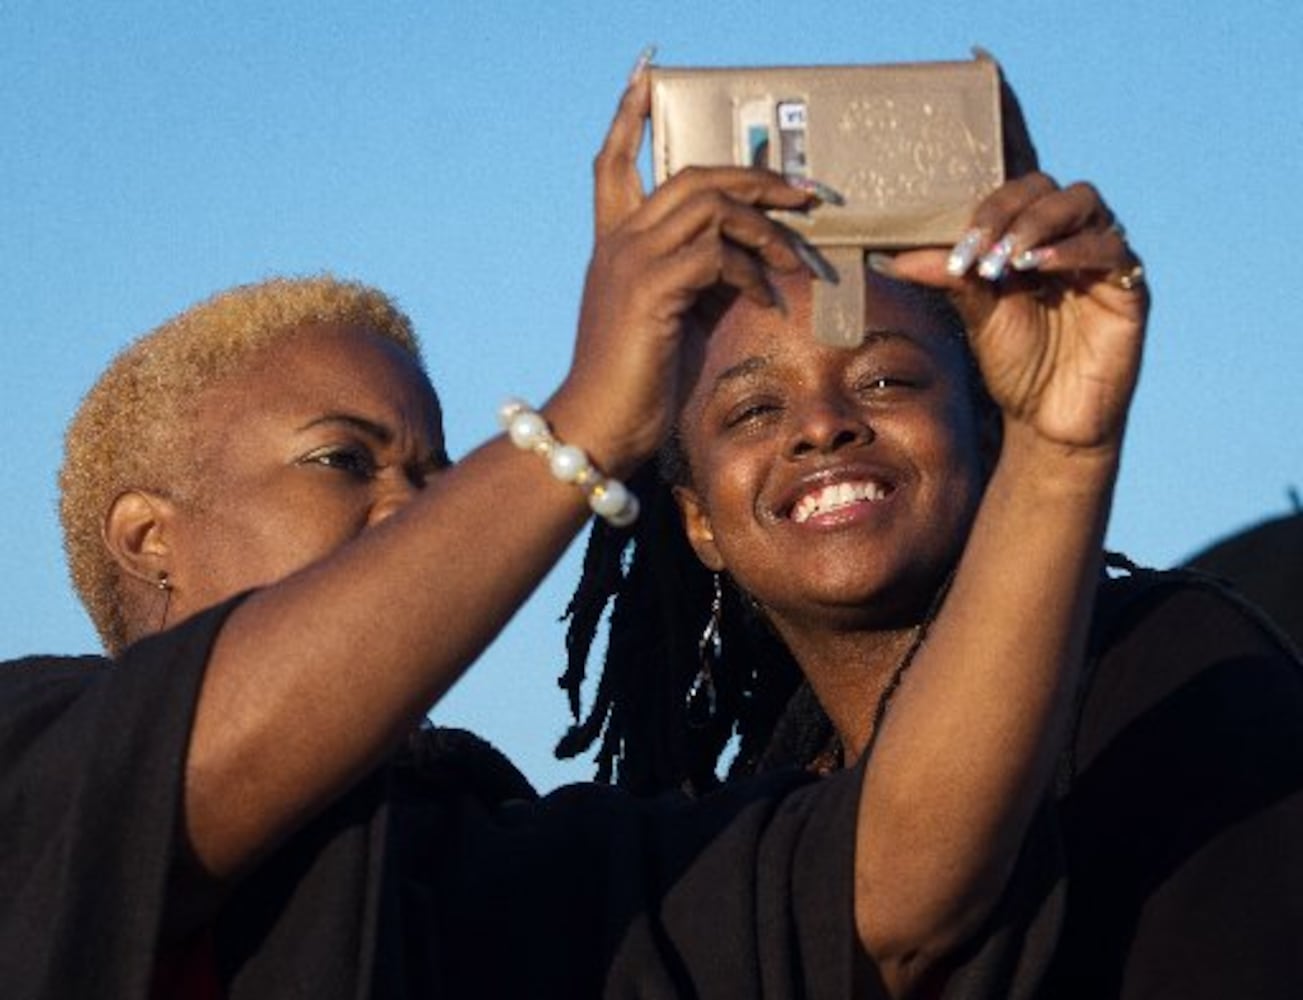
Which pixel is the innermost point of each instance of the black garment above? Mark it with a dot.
(437, 876)
(1168, 862)
(1265, 563)
(1182, 814)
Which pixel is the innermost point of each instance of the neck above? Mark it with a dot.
(849, 672)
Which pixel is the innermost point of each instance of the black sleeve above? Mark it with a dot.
(92, 756)
(1184, 823)
(590, 892)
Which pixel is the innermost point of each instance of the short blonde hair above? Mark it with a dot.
(129, 430)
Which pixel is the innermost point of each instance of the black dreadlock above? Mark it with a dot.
(660, 595)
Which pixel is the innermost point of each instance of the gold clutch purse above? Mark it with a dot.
(912, 147)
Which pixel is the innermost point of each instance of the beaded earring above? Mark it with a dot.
(700, 699)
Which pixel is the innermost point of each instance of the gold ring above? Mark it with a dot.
(1130, 279)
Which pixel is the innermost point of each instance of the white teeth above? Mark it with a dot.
(834, 497)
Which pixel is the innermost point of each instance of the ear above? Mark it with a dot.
(697, 526)
(137, 533)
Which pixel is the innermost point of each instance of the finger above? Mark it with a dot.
(1059, 215)
(1091, 256)
(1023, 214)
(618, 190)
(992, 217)
(710, 214)
(747, 185)
(996, 212)
(705, 266)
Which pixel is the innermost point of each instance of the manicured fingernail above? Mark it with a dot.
(1030, 260)
(964, 253)
(811, 258)
(881, 263)
(817, 188)
(644, 60)
(994, 261)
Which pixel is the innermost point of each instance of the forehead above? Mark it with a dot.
(327, 366)
(890, 306)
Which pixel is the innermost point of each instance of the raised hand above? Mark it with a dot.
(655, 259)
(1055, 304)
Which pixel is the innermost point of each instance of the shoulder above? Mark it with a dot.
(1193, 695)
(1164, 636)
(1185, 798)
(35, 689)
(39, 670)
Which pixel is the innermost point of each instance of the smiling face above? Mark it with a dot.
(836, 487)
(323, 434)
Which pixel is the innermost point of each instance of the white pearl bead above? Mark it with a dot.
(610, 499)
(627, 514)
(527, 429)
(568, 463)
(508, 410)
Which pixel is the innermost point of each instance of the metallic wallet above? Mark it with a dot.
(912, 147)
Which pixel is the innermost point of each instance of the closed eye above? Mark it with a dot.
(750, 412)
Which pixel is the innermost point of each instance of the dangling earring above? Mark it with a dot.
(700, 699)
(164, 586)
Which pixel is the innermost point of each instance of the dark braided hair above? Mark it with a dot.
(659, 595)
(660, 599)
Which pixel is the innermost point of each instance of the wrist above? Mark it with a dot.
(1054, 468)
(607, 496)
(579, 418)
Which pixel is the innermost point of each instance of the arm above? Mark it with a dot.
(970, 744)
(312, 680)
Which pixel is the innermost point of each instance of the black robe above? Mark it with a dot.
(1167, 864)
(1181, 803)
(439, 875)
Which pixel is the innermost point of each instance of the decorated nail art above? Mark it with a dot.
(964, 253)
(1028, 260)
(994, 261)
(817, 188)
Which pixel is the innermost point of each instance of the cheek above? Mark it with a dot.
(254, 544)
(729, 488)
(958, 471)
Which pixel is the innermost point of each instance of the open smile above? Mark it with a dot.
(831, 499)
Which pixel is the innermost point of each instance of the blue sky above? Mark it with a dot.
(154, 152)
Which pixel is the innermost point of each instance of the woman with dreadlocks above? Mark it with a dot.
(826, 517)
(287, 571)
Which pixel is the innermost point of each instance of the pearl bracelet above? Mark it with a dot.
(609, 498)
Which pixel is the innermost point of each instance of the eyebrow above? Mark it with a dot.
(369, 427)
(758, 363)
(743, 369)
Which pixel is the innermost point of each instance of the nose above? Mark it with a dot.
(824, 425)
(395, 494)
